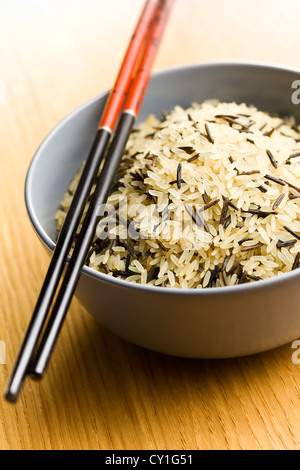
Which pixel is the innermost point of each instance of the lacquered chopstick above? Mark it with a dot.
(97, 204)
(107, 124)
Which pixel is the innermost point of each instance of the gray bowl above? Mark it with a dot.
(213, 323)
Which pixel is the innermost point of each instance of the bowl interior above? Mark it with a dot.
(60, 155)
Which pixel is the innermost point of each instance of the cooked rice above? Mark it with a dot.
(211, 197)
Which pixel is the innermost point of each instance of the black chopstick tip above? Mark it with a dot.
(35, 375)
(11, 396)
(13, 387)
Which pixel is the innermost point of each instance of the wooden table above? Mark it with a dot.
(101, 392)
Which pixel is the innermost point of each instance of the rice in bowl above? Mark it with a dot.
(205, 197)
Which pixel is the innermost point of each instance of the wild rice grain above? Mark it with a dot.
(224, 211)
(193, 159)
(286, 244)
(251, 248)
(179, 171)
(278, 202)
(209, 136)
(208, 206)
(294, 234)
(296, 262)
(272, 159)
(269, 133)
(294, 155)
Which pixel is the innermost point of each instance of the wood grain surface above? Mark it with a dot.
(101, 392)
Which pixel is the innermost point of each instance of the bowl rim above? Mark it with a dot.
(48, 242)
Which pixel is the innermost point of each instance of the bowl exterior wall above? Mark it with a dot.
(230, 324)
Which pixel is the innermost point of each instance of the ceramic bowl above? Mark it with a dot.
(212, 323)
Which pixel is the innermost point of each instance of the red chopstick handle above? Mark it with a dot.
(136, 45)
(141, 79)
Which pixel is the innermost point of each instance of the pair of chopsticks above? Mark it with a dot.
(117, 121)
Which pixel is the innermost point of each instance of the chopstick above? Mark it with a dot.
(97, 205)
(102, 138)
(145, 40)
